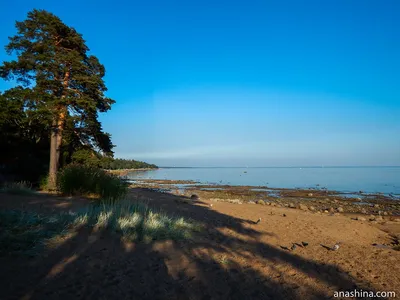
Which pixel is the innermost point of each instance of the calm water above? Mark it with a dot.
(347, 179)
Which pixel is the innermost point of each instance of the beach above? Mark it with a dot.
(234, 256)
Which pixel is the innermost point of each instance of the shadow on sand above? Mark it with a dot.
(212, 265)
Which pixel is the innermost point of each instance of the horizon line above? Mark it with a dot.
(246, 167)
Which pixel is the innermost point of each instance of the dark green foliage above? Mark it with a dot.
(91, 158)
(86, 157)
(115, 164)
(24, 138)
(77, 179)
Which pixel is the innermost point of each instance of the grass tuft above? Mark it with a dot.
(24, 232)
(18, 188)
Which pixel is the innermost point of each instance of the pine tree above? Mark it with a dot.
(59, 78)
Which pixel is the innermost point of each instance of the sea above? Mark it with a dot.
(385, 180)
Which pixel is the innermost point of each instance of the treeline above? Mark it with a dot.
(94, 159)
(116, 164)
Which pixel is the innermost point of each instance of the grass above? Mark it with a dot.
(18, 188)
(136, 222)
(223, 259)
(24, 232)
(78, 179)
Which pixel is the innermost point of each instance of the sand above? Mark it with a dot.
(232, 258)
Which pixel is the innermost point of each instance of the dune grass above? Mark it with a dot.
(135, 221)
(23, 232)
(18, 188)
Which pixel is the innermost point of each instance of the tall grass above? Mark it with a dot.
(24, 232)
(78, 179)
(136, 221)
(18, 188)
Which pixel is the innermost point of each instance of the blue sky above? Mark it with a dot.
(234, 83)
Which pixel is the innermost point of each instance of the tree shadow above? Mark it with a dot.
(211, 265)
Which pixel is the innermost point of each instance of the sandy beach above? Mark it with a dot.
(234, 257)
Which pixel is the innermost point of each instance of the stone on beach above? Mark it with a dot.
(302, 206)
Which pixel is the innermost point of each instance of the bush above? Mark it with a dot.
(18, 188)
(77, 179)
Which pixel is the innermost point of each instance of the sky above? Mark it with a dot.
(242, 83)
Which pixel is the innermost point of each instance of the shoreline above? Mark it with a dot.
(124, 172)
(313, 200)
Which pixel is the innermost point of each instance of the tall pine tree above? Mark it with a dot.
(61, 79)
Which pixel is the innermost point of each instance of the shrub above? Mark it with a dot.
(77, 179)
(18, 188)
(262, 202)
(43, 183)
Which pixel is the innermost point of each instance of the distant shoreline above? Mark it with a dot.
(124, 172)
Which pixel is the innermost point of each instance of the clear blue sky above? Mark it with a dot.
(233, 83)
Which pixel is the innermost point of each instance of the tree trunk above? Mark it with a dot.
(56, 139)
(51, 184)
(55, 148)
